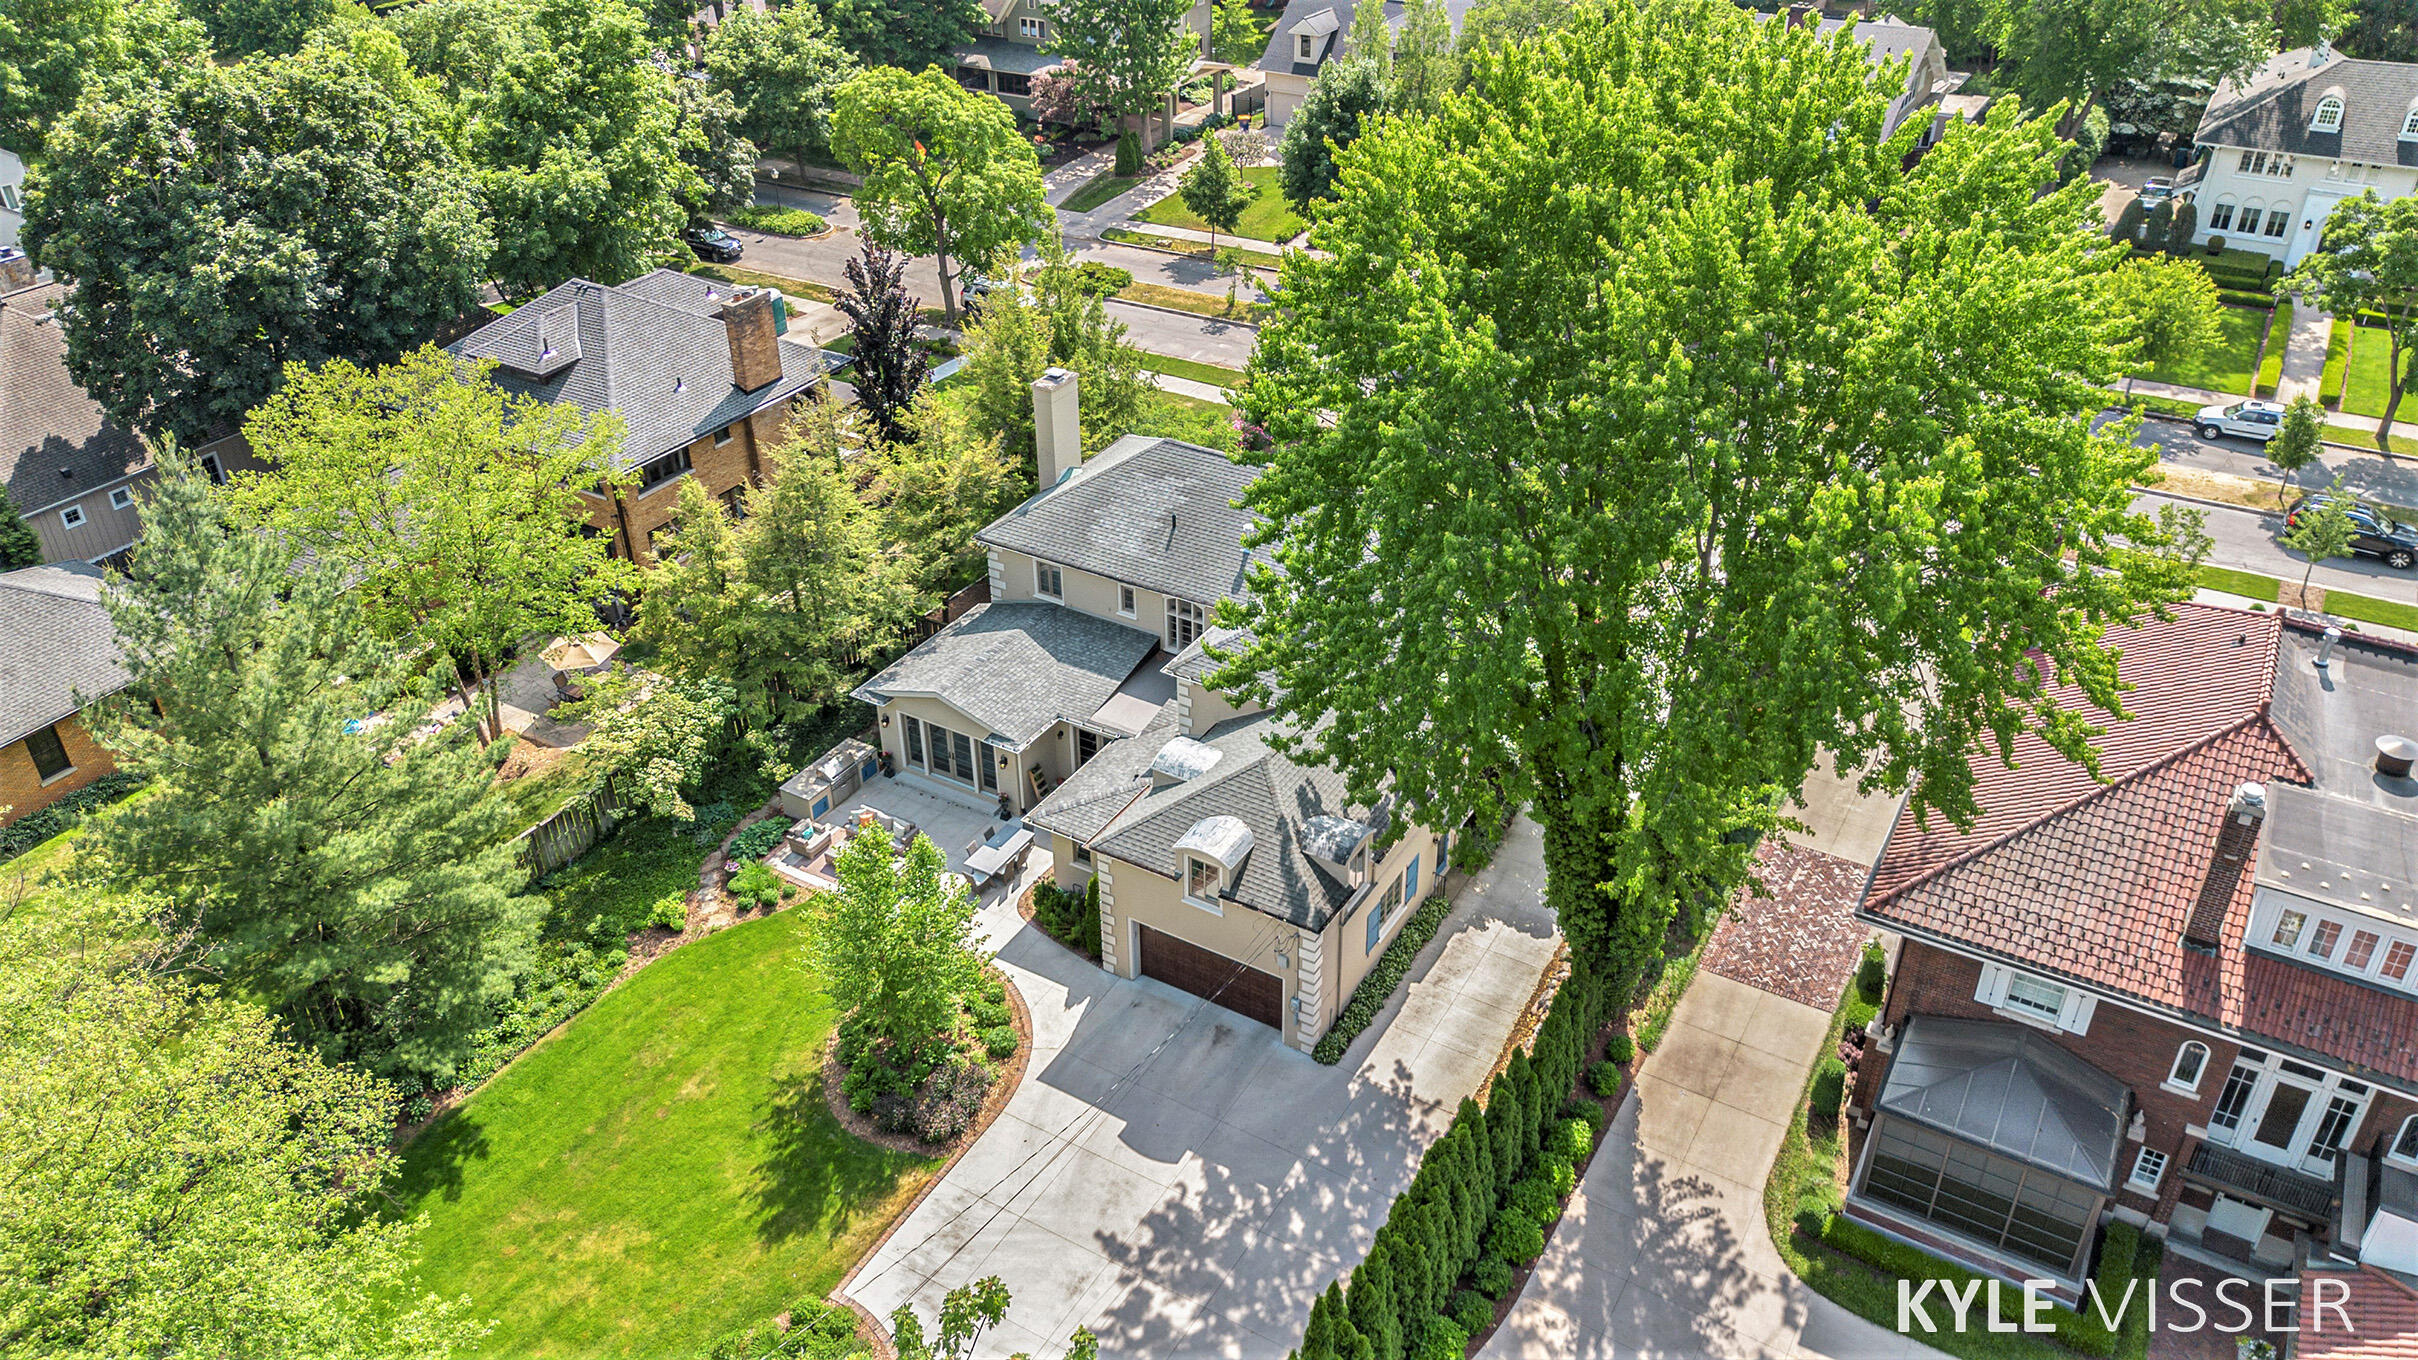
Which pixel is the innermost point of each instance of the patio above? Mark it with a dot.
(957, 824)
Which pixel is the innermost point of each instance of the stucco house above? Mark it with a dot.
(2280, 147)
(2181, 994)
(74, 474)
(12, 197)
(58, 652)
(1077, 697)
(703, 374)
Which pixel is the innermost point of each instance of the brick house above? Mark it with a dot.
(702, 373)
(58, 652)
(2180, 994)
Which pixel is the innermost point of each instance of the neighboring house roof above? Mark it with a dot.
(2012, 1090)
(1010, 58)
(1330, 22)
(1154, 513)
(2383, 1314)
(54, 441)
(1018, 667)
(653, 349)
(56, 643)
(1271, 797)
(1194, 662)
(2095, 881)
(2271, 109)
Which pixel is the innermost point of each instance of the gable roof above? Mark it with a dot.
(1154, 513)
(54, 440)
(2270, 110)
(56, 641)
(1273, 798)
(1329, 21)
(2094, 882)
(1018, 667)
(654, 349)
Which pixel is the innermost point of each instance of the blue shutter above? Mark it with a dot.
(1410, 881)
(1376, 926)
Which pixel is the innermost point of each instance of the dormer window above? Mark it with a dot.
(1304, 46)
(2409, 126)
(1200, 879)
(2329, 115)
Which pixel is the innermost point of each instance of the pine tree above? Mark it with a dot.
(312, 839)
(1318, 1334)
(1503, 1135)
(19, 547)
(1372, 1302)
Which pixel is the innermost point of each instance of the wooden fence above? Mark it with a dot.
(570, 833)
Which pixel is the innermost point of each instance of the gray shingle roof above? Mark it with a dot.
(47, 424)
(1154, 513)
(1274, 798)
(55, 641)
(1018, 667)
(652, 349)
(2271, 110)
(1092, 796)
(1313, 14)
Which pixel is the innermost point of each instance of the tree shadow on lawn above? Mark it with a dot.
(811, 1167)
(433, 1163)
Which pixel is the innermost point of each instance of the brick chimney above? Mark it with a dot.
(1057, 425)
(755, 351)
(2205, 932)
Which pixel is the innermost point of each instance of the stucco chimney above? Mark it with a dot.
(755, 351)
(2244, 814)
(1057, 425)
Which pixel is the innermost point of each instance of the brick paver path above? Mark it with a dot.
(1799, 937)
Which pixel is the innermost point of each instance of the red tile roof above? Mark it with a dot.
(2095, 881)
(2383, 1315)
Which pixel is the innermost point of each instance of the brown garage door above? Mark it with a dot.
(1207, 973)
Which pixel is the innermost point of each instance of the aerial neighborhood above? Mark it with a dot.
(1267, 679)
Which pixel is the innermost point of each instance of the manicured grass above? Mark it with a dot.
(1269, 218)
(1181, 246)
(2279, 336)
(2367, 609)
(2245, 583)
(2338, 360)
(778, 221)
(1185, 300)
(1676, 971)
(1103, 187)
(1188, 368)
(749, 278)
(662, 1171)
(2365, 383)
(2226, 366)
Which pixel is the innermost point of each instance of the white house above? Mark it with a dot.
(2306, 131)
(12, 198)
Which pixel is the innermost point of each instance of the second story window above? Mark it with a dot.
(662, 470)
(1184, 622)
(1304, 47)
(1200, 879)
(121, 498)
(1125, 601)
(1048, 581)
(2409, 127)
(2267, 164)
(1030, 28)
(2191, 1060)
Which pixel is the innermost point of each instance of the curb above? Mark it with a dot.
(1178, 311)
(1162, 250)
(2187, 422)
(2202, 501)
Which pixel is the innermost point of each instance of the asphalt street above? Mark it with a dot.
(2245, 541)
(2367, 472)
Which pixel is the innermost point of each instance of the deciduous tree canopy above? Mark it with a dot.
(908, 34)
(784, 68)
(1664, 460)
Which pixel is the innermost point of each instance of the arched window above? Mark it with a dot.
(2329, 115)
(2191, 1061)
(2220, 217)
(2409, 126)
(2405, 1143)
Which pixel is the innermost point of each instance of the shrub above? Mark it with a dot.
(1515, 1239)
(1872, 974)
(1859, 1015)
(1129, 153)
(36, 827)
(1369, 997)
(1102, 280)
(1604, 1079)
(1620, 1049)
(670, 911)
(1473, 847)
(1532, 1198)
(1829, 1088)
(999, 1041)
(1588, 1111)
(756, 841)
(1492, 1276)
(994, 989)
(2079, 1331)
(989, 1014)
(789, 892)
(756, 882)
(1471, 1311)
(2216, 245)
(778, 221)
(1563, 1174)
(1445, 1340)
(950, 1099)
(1573, 1138)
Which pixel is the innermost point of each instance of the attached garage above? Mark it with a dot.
(1212, 976)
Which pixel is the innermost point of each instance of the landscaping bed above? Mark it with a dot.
(1004, 1074)
(778, 221)
(1070, 918)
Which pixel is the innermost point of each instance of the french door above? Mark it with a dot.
(2288, 1112)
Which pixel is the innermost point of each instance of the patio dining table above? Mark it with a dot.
(987, 861)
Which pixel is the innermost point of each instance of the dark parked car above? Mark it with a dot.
(712, 243)
(2374, 534)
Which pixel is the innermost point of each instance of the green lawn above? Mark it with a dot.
(1212, 374)
(1103, 187)
(2364, 379)
(2271, 367)
(2228, 365)
(1269, 218)
(2367, 609)
(2245, 583)
(662, 1171)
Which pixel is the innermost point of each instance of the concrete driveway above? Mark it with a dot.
(1173, 1176)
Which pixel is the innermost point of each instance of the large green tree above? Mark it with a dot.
(1634, 462)
(2076, 51)
(1128, 54)
(455, 509)
(946, 172)
(313, 839)
(1064, 324)
(176, 1179)
(20, 546)
(240, 28)
(2168, 309)
(934, 492)
(2368, 261)
(1425, 65)
(221, 222)
(723, 160)
(51, 49)
(908, 34)
(895, 943)
(1236, 34)
(1504, 21)
(784, 68)
(1216, 191)
(1349, 94)
(783, 599)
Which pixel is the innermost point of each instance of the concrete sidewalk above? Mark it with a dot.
(2305, 351)
(1664, 1251)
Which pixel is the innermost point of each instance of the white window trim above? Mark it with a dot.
(1030, 28)
(2073, 1014)
(2156, 1177)
(722, 436)
(1129, 602)
(72, 517)
(1304, 46)
(121, 498)
(2409, 126)
(1217, 880)
(2192, 1087)
(1042, 572)
(2318, 122)
(2392, 1149)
